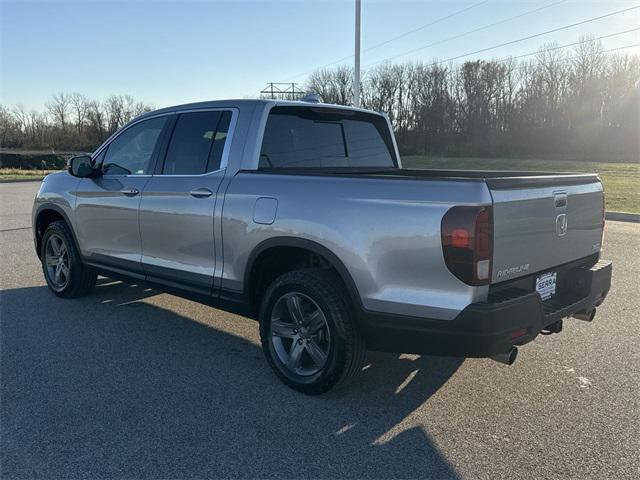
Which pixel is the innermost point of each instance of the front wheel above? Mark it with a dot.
(62, 266)
(308, 332)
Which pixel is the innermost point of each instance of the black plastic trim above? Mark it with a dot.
(538, 181)
(172, 277)
(163, 143)
(228, 303)
(484, 329)
(111, 269)
(495, 180)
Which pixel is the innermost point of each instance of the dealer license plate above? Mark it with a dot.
(546, 285)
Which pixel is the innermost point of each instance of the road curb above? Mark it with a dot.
(22, 180)
(623, 216)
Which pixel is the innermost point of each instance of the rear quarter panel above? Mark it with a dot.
(386, 232)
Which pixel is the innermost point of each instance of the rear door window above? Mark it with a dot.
(306, 137)
(197, 143)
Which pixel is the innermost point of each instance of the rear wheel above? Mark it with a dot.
(308, 332)
(62, 266)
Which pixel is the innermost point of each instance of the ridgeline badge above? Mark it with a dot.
(513, 270)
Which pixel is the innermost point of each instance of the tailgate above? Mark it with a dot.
(540, 225)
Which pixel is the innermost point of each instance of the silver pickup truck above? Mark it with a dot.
(301, 216)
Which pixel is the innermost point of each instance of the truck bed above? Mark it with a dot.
(540, 219)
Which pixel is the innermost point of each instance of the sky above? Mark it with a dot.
(170, 52)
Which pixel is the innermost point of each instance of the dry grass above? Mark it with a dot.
(19, 174)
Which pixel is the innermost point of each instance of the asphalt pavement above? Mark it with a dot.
(131, 383)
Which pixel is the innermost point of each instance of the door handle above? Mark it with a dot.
(201, 192)
(130, 191)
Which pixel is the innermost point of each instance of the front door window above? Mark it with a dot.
(131, 152)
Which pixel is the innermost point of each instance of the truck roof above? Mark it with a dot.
(249, 103)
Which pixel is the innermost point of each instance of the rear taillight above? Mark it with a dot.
(467, 243)
(603, 214)
(603, 211)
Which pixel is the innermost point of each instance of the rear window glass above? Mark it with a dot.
(304, 137)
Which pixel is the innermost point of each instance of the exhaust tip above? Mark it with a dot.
(507, 358)
(585, 315)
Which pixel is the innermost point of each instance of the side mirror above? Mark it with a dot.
(81, 166)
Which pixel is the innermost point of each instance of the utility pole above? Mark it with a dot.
(356, 66)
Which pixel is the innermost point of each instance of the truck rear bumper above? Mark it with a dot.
(488, 328)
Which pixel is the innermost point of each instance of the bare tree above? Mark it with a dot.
(21, 117)
(96, 130)
(92, 121)
(140, 107)
(59, 108)
(79, 104)
(114, 113)
(589, 60)
(334, 86)
(9, 129)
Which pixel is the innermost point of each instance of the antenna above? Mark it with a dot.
(312, 98)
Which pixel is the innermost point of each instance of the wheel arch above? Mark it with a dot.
(45, 215)
(271, 244)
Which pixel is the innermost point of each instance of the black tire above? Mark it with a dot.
(345, 352)
(80, 280)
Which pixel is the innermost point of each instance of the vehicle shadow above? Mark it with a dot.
(110, 386)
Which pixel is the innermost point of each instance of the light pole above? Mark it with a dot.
(356, 66)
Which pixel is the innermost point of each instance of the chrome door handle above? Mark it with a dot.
(130, 191)
(201, 192)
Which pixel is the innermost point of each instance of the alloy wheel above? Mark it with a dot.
(56, 257)
(300, 334)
